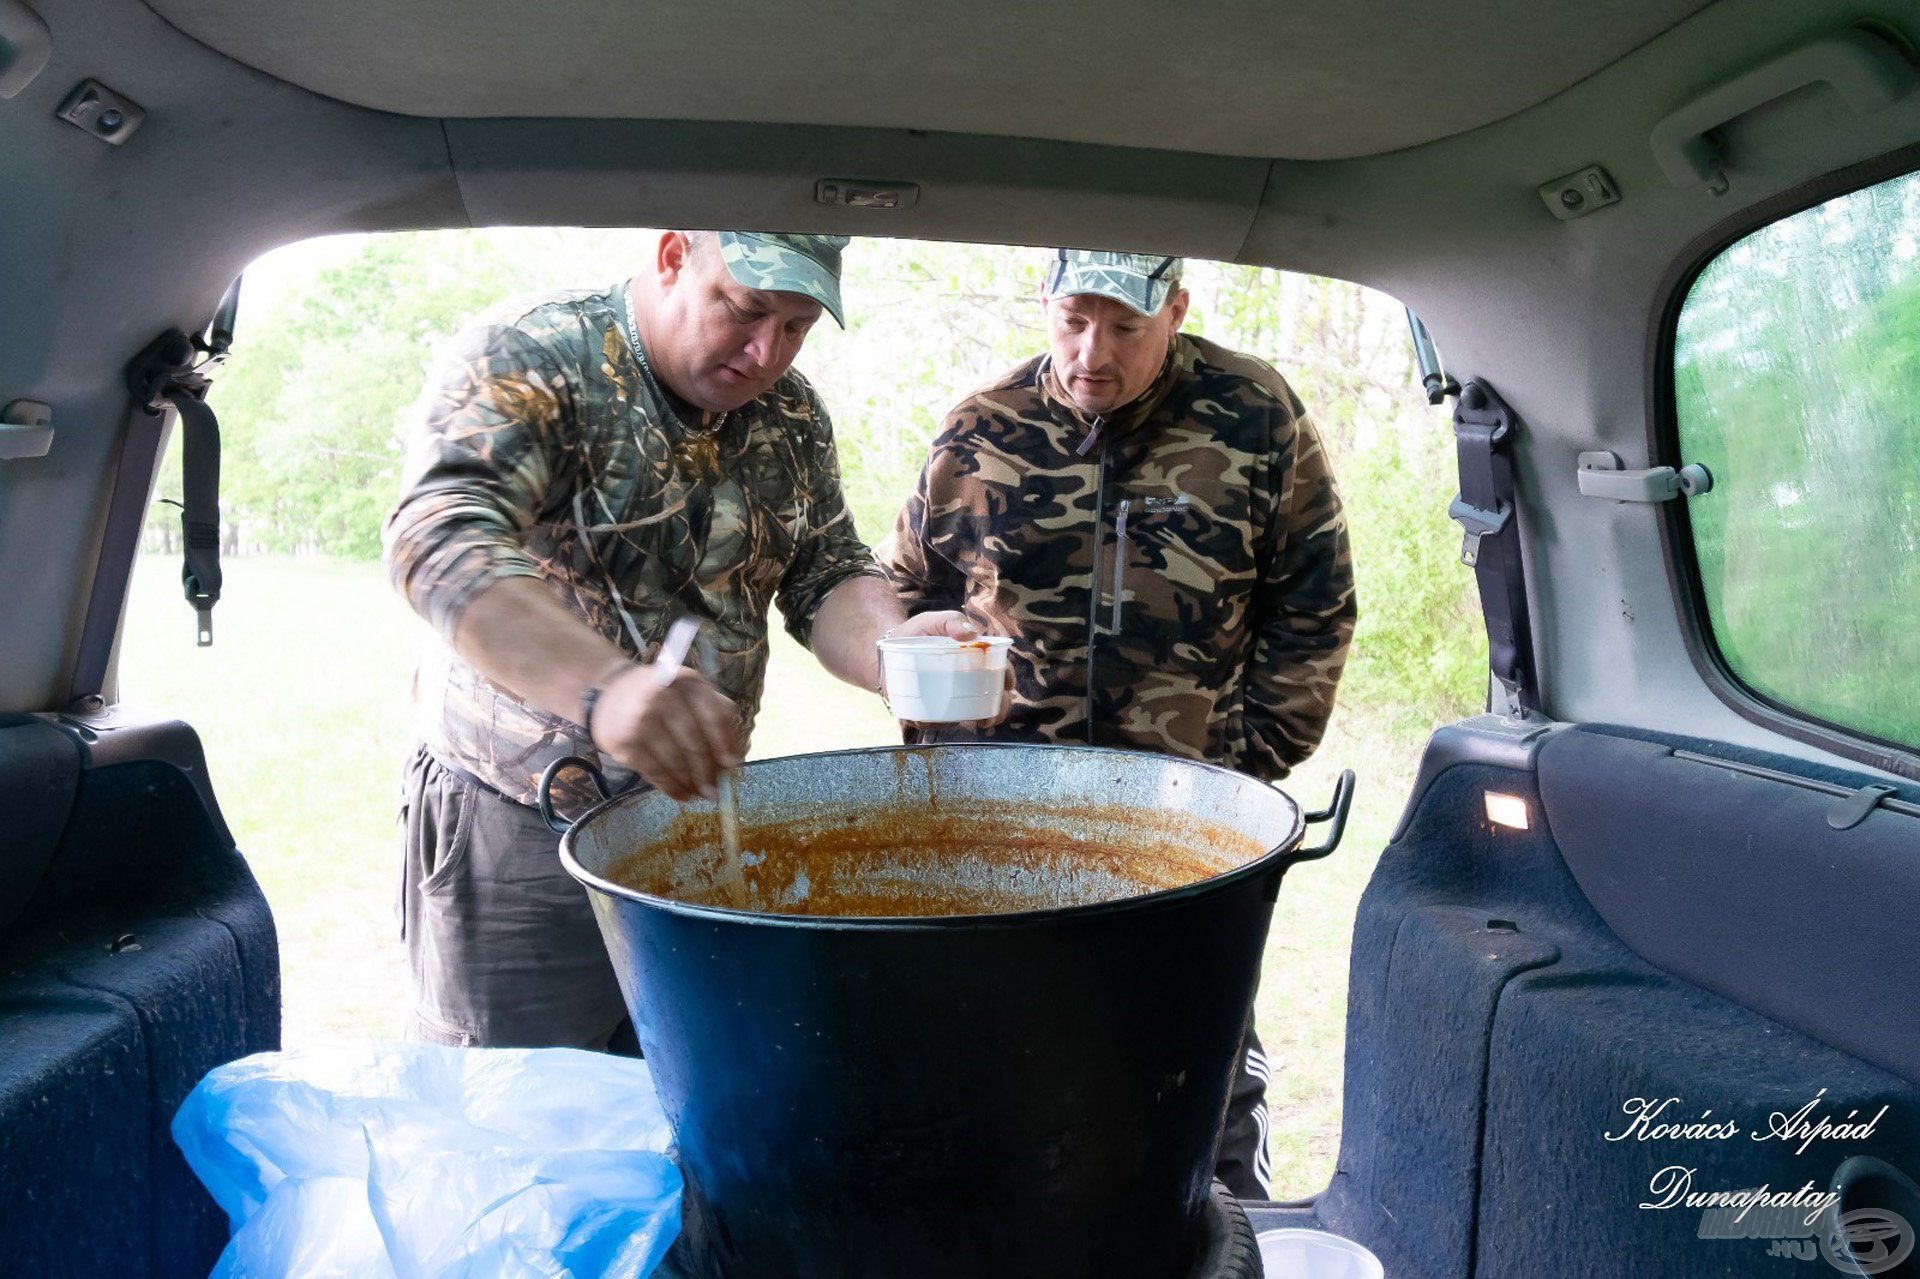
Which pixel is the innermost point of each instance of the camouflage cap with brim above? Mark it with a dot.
(804, 264)
(1140, 280)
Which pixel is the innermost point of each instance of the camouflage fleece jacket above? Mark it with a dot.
(543, 448)
(1176, 577)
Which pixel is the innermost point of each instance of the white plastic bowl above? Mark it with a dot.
(936, 679)
(1294, 1253)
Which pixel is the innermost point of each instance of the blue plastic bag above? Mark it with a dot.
(421, 1162)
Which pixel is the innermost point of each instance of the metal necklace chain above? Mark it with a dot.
(666, 404)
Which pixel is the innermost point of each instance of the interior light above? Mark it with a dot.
(1506, 810)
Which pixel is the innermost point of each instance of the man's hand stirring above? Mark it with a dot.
(671, 726)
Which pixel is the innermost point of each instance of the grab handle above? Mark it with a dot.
(1336, 812)
(1866, 69)
(556, 823)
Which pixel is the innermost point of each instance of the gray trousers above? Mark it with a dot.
(504, 952)
(501, 944)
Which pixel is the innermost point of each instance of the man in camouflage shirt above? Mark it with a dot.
(586, 469)
(1151, 518)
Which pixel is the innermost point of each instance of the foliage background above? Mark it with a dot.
(335, 337)
(302, 700)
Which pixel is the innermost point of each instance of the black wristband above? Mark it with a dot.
(588, 701)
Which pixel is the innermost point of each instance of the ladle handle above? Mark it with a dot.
(556, 823)
(1336, 812)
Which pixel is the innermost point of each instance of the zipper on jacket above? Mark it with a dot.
(1091, 438)
(1093, 582)
(1148, 506)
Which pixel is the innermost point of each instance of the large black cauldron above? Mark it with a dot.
(1006, 1095)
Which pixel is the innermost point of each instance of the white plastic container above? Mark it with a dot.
(1294, 1253)
(936, 679)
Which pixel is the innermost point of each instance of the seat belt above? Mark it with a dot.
(169, 374)
(1484, 429)
(199, 505)
(172, 372)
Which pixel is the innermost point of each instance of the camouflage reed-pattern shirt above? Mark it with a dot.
(1193, 555)
(543, 449)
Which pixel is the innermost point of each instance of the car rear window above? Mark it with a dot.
(1797, 383)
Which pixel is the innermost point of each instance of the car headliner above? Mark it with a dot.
(1473, 105)
(1308, 80)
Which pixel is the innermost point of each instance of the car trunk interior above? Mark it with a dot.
(1702, 901)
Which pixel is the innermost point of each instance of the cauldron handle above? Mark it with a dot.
(1336, 811)
(556, 823)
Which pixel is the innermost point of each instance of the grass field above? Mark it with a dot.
(302, 707)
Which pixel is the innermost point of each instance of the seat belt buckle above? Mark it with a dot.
(1476, 523)
(202, 602)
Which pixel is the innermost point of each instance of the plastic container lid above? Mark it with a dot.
(921, 646)
(1295, 1253)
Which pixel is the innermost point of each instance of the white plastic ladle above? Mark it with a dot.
(666, 664)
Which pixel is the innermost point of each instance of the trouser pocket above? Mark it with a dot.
(502, 946)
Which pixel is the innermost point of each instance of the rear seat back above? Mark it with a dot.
(137, 954)
(39, 774)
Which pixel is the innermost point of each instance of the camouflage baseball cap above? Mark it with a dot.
(1141, 280)
(805, 264)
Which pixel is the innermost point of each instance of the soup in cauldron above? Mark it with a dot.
(915, 861)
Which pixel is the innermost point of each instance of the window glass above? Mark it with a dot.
(1797, 383)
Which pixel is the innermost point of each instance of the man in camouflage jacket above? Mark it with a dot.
(1152, 519)
(586, 469)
